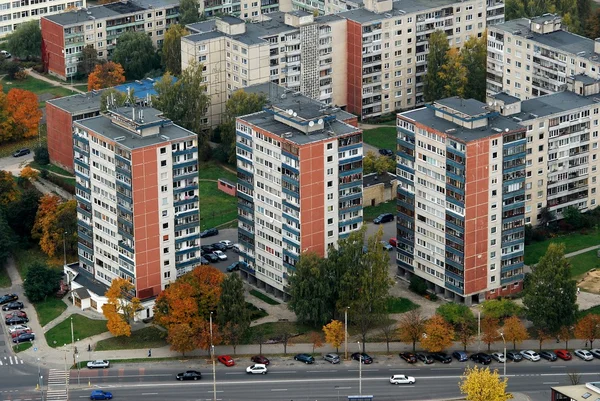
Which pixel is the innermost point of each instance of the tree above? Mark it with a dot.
(5, 118)
(44, 221)
(380, 164)
(500, 308)
(565, 334)
(121, 306)
(41, 282)
(26, 41)
(260, 336)
(489, 330)
(438, 49)
(484, 385)
(550, 295)
(592, 25)
(417, 285)
(179, 336)
(9, 192)
(453, 74)
(474, 59)
(115, 324)
(388, 329)
(466, 332)
(240, 103)
(438, 334)
(316, 340)
(514, 331)
(7, 239)
(285, 333)
(232, 313)
(89, 60)
(188, 12)
(25, 115)
(41, 155)
(573, 216)
(588, 328)
(135, 52)
(541, 336)
(334, 334)
(171, 48)
(411, 327)
(20, 214)
(112, 95)
(455, 313)
(106, 75)
(28, 173)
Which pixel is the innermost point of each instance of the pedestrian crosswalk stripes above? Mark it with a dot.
(57, 385)
(10, 360)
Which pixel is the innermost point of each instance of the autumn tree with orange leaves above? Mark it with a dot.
(489, 330)
(121, 307)
(21, 108)
(53, 219)
(8, 188)
(106, 75)
(438, 335)
(411, 327)
(29, 174)
(588, 328)
(514, 331)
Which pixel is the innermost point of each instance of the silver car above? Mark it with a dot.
(333, 358)
(584, 354)
(98, 364)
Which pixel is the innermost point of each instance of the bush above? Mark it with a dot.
(12, 69)
(21, 75)
(501, 308)
(418, 285)
(41, 282)
(41, 155)
(39, 68)
(61, 183)
(44, 174)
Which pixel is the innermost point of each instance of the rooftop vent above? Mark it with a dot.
(287, 135)
(516, 32)
(517, 119)
(450, 130)
(120, 138)
(165, 138)
(496, 129)
(533, 115)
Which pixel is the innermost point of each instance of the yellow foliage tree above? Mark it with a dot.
(411, 327)
(116, 324)
(44, 221)
(316, 340)
(514, 331)
(484, 385)
(29, 174)
(438, 336)
(121, 307)
(334, 333)
(588, 328)
(8, 187)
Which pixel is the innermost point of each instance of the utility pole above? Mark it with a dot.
(73, 341)
(212, 356)
(346, 333)
(359, 370)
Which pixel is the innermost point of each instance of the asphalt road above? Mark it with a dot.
(15, 164)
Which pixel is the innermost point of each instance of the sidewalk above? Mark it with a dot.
(47, 187)
(36, 75)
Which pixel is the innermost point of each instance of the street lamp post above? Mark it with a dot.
(212, 347)
(504, 341)
(211, 332)
(346, 333)
(73, 341)
(41, 381)
(478, 330)
(78, 371)
(359, 370)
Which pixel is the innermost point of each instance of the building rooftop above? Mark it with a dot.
(580, 392)
(375, 179)
(468, 107)
(87, 280)
(505, 98)
(230, 19)
(201, 37)
(585, 79)
(202, 26)
(300, 13)
(399, 8)
(553, 103)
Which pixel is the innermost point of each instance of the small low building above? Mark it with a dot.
(579, 392)
(86, 291)
(379, 188)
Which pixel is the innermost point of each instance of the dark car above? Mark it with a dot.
(441, 357)
(21, 338)
(21, 152)
(4, 299)
(481, 357)
(304, 358)
(203, 260)
(100, 395)
(211, 232)
(383, 218)
(211, 257)
(362, 357)
(408, 357)
(260, 359)
(16, 320)
(189, 375)
(548, 355)
(426, 359)
(17, 313)
(514, 356)
(219, 247)
(563, 354)
(207, 249)
(13, 306)
(386, 152)
(460, 356)
(237, 266)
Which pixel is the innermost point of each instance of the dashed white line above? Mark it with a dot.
(279, 389)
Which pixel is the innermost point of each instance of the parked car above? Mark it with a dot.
(236, 248)
(584, 354)
(16, 320)
(211, 257)
(203, 260)
(189, 375)
(5, 54)
(595, 352)
(257, 369)
(98, 364)
(260, 360)
(228, 244)
(386, 246)
(548, 355)
(211, 232)
(219, 246)
(563, 354)
(402, 379)
(18, 327)
(17, 333)
(408, 357)
(101, 395)
(383, 218)
(220, 254)
(362, 357)
(426, 359)
(25, 337)
(6, 298)
(386, 152)
(460, 356)
(481, 357)
(236, 266)
(393, 242)
(17, 313)
(308, 359)
(498, 357)
(332, 358)
(226, 360)
(21, 152)
(441, 357)
(530, 355)
(16, 305)
(207, 249)
(514, 356)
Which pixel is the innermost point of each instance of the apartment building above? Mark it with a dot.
(461, 199)
(246, 9)
(137, 200)
(14, 13)
(65, 35)
(294, 49)
(299, 165)
(534, 57)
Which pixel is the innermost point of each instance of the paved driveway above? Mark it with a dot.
(15, 164)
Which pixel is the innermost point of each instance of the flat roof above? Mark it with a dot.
(202, 26)
(201, 37)
(88, 281)
(505, 98)
(585, 79)
(469, 107)
(142, 88)
(374, 179)
(399, 8)
(580, 392)
(552, 104)
(230, 19)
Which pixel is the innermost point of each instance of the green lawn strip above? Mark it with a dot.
(584, 262)
(400, 305)
(22, 347)
(573, 242)
(594, 310)
(36, 86)
(382, 138)
(49, 310)
(52, 168)
(8, 149)
(263, 297)
(148, 337)
(271, 331)
(5, 281)
(255, 313)
(83, 327)
(25, 256)
(82, 87)
(370, 212)
(216, 207)
(83, 364)
(213, 171)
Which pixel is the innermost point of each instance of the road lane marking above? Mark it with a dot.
(343, 388)
(218, 391)
(234, 373)
(550, 382)
(557, 366)
(282, 373)
(149, 393)
(279, 389)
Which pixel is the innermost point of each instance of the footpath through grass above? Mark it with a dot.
(83, 327)
(264, 297)
(382, 138)
(148, 337)
(49, 310)
(573, 242)
(217, 206)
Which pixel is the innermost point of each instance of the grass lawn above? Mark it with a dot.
(22, 347)
(36, 86)
(83, 327)
(8, 149)
(4, 279)
(25, 256)
(573, 242)
(594, 309)
(82, 87)
(382, 138)
(370, 212)
(400, 305)
(148, 337)
(255, 313)
(52, 168)
(216, 207)
(263, 297)
(49, 310)
(584, 262)
(271, 329)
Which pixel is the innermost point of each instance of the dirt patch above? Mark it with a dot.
(590, 281)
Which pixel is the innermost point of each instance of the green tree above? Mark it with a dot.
(7, 239)
(26, 41)
(135, 52)
(514, 9)
(592, 25)
(500, 308)
(453, 74)
(89, 59)
(41, 155)
(438, 49)
(550, 294)
(8, 188)
(188, 12)
(21, 215)
(474, 60)
(41, 282)
(232, 314)
(573, 216)
(240, 103)
(456, 314)
(171, 48)
(112, 95)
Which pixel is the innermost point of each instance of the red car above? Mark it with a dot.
(563, 354)
(17, 333)
(393, 242)
(226, 360)
(260, 359)
(16, 313)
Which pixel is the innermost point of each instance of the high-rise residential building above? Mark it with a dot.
(137, 201)
(299, 188)
(534, 57)
(65, 35)
(461, 199)
(14, 13)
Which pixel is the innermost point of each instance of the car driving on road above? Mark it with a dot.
(101, 395)
(257, 369)
(402, 379)
(21, 152)
(98, 364)
(189, 375)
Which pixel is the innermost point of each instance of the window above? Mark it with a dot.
(163, 163)
(165, 225)
(164, 188)
(166, 250)
(165, 237)
(329, 184)
(329, 146)
(165, 213)
(330, 221)
(330, 233)
(329, 159)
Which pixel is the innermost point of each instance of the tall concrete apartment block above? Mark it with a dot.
(137, 199)
(14, 13)
(65, 35)
(461, 199)
(528, 58)
(299, 165)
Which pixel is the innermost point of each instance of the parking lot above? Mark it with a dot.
(229, 234)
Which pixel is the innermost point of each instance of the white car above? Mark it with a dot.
(257, 369)
(98, 364)
(220, 254)
(402, 379)
(584, 354)
(5, 54)
(20, 327)
(530, 355)
(227, 243)
(236, 248)
(498, 357)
